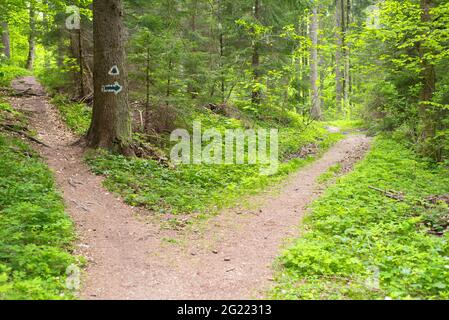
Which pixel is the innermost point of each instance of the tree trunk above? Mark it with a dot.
(221, 59)
(192, 87)
(81, 61)
(338, 55)
(111, 120)
(6, 40)
(46, 26)
(428, 80)
(316, 101)
(169, 73)
(31, 37)
(147, 82)
(256, 94)
(346, 51)
(60, 52)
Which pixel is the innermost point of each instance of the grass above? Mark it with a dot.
(186, 189)
(331, 173)
(35, 232)
(357, 243)
(347, 125)
(9, 73)
(76, 115)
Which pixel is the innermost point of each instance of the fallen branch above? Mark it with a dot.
(23, 133)
(390, 193)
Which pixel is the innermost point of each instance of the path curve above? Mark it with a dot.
(230, 258)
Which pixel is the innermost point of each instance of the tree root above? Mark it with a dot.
(11, 128)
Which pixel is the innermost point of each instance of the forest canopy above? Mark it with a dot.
(382, 61)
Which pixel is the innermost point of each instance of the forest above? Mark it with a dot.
(224, 150)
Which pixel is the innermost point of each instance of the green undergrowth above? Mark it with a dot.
(358, 243)
(9, 73)
(76, 115)
(199, 188)
(347, 125)
(35, 232)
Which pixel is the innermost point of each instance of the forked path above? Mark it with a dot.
(230, 257)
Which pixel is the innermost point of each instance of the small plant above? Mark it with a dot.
(353, 230)
(76, 115)
(35, 232)
(9, 73)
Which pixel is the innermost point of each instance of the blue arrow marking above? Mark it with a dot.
(112, 88)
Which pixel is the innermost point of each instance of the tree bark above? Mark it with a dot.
(347, 57)
(192, 87)
(221, 59)
(428, 77)
(60, 52)
(6, 40)
(111, 120)
(256, 94)
(316, 101)
(147, 83)
(81, 61)
(46, 26)
(31, 37)
(338, 55)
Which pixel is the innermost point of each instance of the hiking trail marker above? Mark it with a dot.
(112, 88)
(114, 71)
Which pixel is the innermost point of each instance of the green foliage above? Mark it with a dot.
(354, 234)
(401, 67)
(9, 73)
(330, 173)
(53, 79)
(76, 115)
(201, 188)
(35, 232)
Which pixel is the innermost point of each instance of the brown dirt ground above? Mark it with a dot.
(230, 256)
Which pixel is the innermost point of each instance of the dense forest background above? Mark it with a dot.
(382, 61)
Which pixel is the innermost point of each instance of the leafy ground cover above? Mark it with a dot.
(9, 73)
(196, 188)
(203, 188)
(76, 115)
(35, 232)
(359, 243)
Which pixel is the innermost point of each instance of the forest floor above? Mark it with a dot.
(131, 257)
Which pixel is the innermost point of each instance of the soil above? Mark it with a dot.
(130, 256)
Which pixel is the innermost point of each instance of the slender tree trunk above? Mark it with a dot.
(111, 120)
(6, 40)
(31, 37)
(347, 56)
(192, 88)
(221, 61)
(81, 61)
(147, 82)
(60, 52)
(338, 56)
(316, 101)
(170, 68)
(256, 94)
(46, 27)
(428, 80)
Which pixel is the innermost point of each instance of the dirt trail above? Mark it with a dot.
(230, 258)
